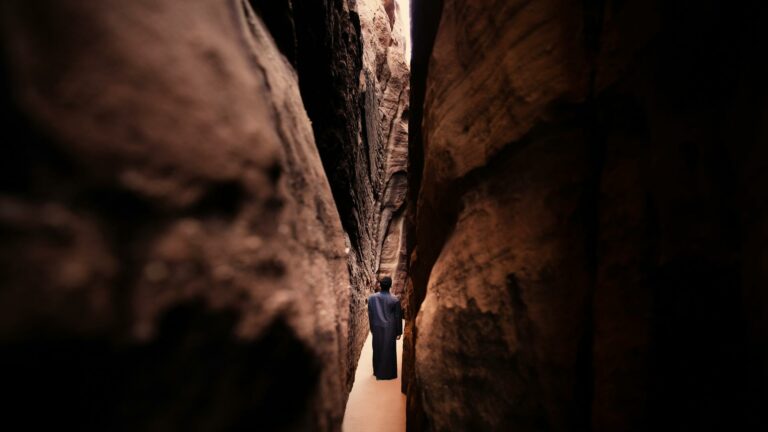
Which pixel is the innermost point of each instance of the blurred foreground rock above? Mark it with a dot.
(173, 253)
(588, 224)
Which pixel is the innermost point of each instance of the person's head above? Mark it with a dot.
(385, 283)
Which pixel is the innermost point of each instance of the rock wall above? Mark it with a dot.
(354, 80)
(587, 241)
(190, 209)
(386, 86)
(328, 57)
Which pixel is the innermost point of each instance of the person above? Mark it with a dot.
(385, 318)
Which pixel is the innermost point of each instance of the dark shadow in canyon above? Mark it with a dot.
(193, 376)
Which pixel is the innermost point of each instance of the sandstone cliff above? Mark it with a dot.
(387, 79)
(194, 201)
(354, 81)
(585, 235)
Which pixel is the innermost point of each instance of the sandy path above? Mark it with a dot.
(375, 406)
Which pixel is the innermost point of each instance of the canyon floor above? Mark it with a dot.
(375, 406)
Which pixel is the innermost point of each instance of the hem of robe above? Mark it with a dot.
(385, 379)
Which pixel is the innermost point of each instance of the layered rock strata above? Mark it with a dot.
(586, 232)
(386, 87)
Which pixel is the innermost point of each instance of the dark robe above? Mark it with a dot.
(385, 318)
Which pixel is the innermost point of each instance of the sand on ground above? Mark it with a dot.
(375, 406)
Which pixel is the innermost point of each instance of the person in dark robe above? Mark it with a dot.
(385, 318)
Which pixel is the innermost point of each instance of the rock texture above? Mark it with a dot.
(386, 91)
(354, 81)
(173, 254)
(328, 55)
(585, 243)
(196, 200)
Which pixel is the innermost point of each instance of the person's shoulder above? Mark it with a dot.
(374, 295)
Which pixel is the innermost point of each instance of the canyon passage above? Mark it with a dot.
(197, 199)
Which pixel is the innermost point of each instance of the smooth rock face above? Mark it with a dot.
(172, 257)
(586, 239)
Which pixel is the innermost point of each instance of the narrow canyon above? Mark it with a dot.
(197, 199)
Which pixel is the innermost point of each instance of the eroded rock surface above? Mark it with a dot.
(196, 201)
(354, 81)
(172, 257)
(585, 232)
(386, 89)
